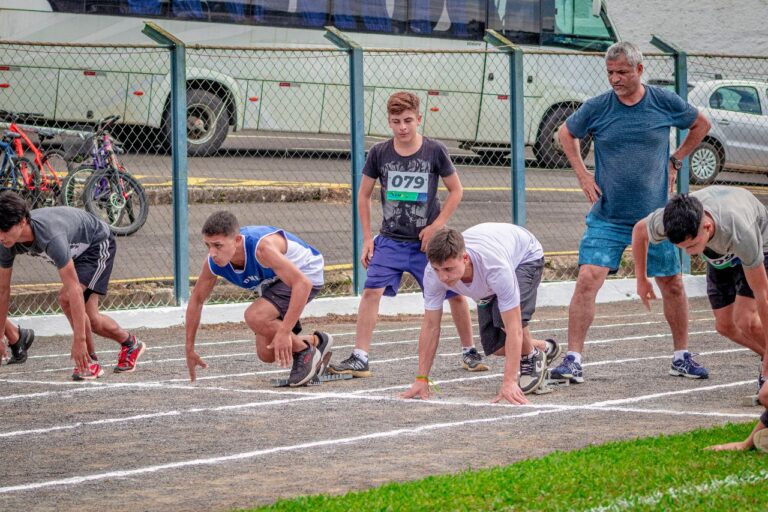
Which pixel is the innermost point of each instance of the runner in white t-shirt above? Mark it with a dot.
(500, 267)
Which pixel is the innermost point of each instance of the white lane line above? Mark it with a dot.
(676, 493)
(280, 449)
(671, 393)
(304, 396)
(383, 343)
(96, 385)
(75, 480)
(111, 352)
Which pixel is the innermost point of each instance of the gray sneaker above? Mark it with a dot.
(305, 366)
(472, 361)
(352, 365)
(532, 372)
(19, 349)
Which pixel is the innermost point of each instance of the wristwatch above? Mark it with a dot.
(677, 164)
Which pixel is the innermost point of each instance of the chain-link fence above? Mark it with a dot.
(288, 163)
(269, 139)
(70, 114)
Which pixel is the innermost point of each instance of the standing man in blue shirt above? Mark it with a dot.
(635, 171)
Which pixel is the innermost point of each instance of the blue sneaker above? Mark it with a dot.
(687, 367)
(568, 369)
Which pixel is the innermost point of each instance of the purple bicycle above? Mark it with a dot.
(105, 188)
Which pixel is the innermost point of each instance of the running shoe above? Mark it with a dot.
(130, 352)
(552, 350)
(324, 346)
(472, 361)
(687, 367)
(305, 365)
(568, 369)
(19, 349)
(94, 371)
(352, 365)
(532, 372)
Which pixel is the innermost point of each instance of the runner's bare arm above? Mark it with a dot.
(74, 292)
(640, 253)
(510, 386)
(200, 293)
(5, 300)
(429, 338)
(364, 211)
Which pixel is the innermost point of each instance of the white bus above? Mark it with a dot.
(468, 105)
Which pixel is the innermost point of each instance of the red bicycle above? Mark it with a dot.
(41, 180)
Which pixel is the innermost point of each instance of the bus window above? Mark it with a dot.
(192, 9)
(68, 6)
(376, 17)
(518, 20)
(464, 19)
(467, 18)
(314, 13)
(144, 7)
(345, 15)
(103, 7)
(228, 10)
(574, 17)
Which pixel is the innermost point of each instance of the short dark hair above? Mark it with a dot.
(682, 218)
(446, 244)
(13, 209)
(221, 223)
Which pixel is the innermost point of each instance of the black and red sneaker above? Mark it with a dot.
(305, 365)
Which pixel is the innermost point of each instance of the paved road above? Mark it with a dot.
(555, 206)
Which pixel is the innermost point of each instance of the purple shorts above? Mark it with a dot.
(390, 259)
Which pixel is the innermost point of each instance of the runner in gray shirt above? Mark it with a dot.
(83, 251)
(728, 227)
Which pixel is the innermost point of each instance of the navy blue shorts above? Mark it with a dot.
(391, 259)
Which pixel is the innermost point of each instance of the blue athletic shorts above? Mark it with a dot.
(390, 259)
(604, 242)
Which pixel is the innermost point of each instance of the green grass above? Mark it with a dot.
(668, 467)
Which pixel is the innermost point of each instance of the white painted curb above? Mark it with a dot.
(549, 294)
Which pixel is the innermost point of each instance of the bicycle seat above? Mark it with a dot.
(46, 134)
(11, 135)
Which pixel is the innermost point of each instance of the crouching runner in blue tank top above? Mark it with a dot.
(285, 271)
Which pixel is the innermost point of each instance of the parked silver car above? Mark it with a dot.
(738, 139)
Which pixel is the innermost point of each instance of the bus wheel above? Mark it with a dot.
(548, 150)
(207, 123)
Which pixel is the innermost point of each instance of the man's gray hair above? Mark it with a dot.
(628, 50)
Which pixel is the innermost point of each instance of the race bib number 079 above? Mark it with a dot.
(407, 186)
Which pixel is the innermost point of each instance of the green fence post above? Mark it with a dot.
(179, 158)
(357, 127)
(516, 121)
(681, 88)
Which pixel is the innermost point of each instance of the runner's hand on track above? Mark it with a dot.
(419, 389)
(281, 344)
(645, 291)
(193, 361)
(511, 392)
(80, 356)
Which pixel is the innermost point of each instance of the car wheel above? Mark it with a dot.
(705, 164)
(548, 150)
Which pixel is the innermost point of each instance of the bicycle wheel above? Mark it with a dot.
(73, 185)
(54, 166)
(11, 178)
(30, 190)
(118, 199)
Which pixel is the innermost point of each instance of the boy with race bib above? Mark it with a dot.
(286, 272)
(408, 168)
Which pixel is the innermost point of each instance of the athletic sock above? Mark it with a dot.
(679, 354)
(576, 356)
(129, 341)
(360, 354)
(464, 350)
(528, 356)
